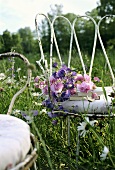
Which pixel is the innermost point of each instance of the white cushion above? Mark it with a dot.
(14, 141)
(96, 106)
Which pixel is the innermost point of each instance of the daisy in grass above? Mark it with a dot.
(83, 128)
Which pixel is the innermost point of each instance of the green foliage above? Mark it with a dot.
(106, 7)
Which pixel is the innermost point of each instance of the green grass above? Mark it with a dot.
(53, 149)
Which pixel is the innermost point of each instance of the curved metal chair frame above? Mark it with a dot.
(53, 41)
(30, 159)
(73, 35)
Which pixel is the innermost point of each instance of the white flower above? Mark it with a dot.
(104, 153)
(24, 77)
(83, 125)
(43, 111)
(16, 111)
(2, 76)
(36, 103)
(35, 94)
(9, 80)
(18, 69)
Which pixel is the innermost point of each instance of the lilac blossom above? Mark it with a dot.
(45, 90)
(55, 65)
(87, 78)
(52, 79)
(96, 79)
(79, 77)
(54, 122)
(84, 87)
(48, 104)
(52, 115)
(57, 87)
(61, 73)
(36, 79)
(94, 96)
(65, 95)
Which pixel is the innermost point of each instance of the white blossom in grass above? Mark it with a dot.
(43, 111)
(24, 77)
(104, 153)
(35, 94)
(2, 76)
(83, 126)
(18, 70)
(36, 103)
(16, 111)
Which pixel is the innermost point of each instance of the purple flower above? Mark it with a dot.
(79, 77)
(48, 104)
(61, 73)
(35, 112)
(54, 122)
(69, 85)
(36, 79)
(96, 79)
(65, 95)
(52, 115)
(23, 114)
(55, 65)
(45, 90)
(74, 73)
(54, 74)
(60, 107)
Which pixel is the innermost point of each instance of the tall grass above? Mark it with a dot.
(53, 149)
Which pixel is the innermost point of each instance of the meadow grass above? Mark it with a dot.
(54, 151)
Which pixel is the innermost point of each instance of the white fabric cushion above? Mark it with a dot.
(14, 141)
(97, 106)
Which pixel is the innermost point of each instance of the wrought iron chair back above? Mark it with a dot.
(53, 41)
(74, 36)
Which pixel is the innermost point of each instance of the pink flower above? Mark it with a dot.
(42, 84)
(87, 78)
(84, 87)
(36, 79)
(45, 90)
(96, 79)
(94, 96)
(52, 80)
(36, 85)
(57, 87)
(79, 77)
(73, 91)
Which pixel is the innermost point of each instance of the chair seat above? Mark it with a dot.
(14, 141)
(97, 106)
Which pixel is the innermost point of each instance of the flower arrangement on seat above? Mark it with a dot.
(65, 85)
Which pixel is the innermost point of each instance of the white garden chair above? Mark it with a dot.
(16, 148)
(98, 108)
